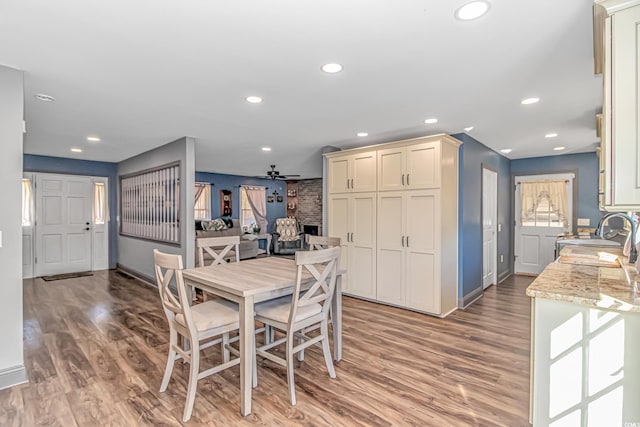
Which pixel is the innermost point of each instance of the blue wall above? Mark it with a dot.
(232, 182)
(46, 164)
(473, 155)
(586, 167)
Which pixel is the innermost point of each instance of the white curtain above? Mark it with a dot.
(27, 203)
(257, 197)
(532, 192)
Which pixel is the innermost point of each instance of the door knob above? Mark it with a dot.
(87, 223)
(87, 229)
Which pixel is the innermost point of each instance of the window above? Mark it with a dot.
(27, 203)
(99, 203)
(246, 215)
(544, 203)
(202, 206)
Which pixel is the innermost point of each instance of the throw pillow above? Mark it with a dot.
(207, 224)
(218, 224)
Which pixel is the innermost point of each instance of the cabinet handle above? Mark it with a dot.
(352, 187)
(408, 178)
(403, 179)
(351, 237)
(348, 184)
(407, 241)
(403, 241)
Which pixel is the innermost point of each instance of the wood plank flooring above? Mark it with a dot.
(95, 350)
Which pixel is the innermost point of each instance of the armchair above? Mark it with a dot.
(287, 237)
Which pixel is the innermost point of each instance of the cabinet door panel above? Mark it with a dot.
(390, 260)
(423, 220)
(422, 282)
(391, 169)
(364, 172)
(363, 246)
(626, 107)
(338, 226)
(338, 173)
(423, 166)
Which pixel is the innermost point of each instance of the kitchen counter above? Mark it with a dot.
(585, 324)
(598, 287)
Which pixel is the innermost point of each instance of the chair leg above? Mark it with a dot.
(301, 352)
(226, 355)
(193, 380)
(324, 330)
(290, 380)
(267, 334)
(171, 359)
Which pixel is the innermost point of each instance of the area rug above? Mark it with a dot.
(66, 276)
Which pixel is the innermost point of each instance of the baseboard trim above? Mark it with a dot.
(470, 298)
(136, 275)
(13, 376)
(504, 277)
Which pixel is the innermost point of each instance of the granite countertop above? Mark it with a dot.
(598, 287)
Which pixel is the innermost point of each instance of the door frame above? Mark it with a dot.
(574, 202)
(482, 202)
(31, 232)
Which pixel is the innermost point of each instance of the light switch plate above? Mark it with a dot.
(584, 222)
(499, 227)
(0, 238)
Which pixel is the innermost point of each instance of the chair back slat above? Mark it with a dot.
(322, 265)
(322, 242)
(168, 269)
(217, 248)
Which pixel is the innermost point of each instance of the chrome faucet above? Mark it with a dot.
(633, 256)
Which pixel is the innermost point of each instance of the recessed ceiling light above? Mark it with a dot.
(45, 98)
(431, 121)
(77, 150)
(363, 134)
(472, 10)
(469, 129)
(528, 101)
(254, 99)
(332, 68)
(559, 148)
(506, 150)
(551, 135)
(266, 148)
(93, 139)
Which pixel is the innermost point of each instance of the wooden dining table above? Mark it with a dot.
(250, 282)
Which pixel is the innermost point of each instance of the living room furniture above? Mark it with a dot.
(267, 238)
(395, 208)
(200, 322)
(287, 237)
(300, 311)
(248, 248)
(254, 281)
(219, 249)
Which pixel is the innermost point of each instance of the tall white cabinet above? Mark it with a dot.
(617, 47)
(400, 236)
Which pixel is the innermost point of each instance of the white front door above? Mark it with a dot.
(489, 227)
(537, 229)
(63, 224)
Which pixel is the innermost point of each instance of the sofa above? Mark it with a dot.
(248, 248)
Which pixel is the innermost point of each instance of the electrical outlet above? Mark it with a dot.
(501, 258)
(584, 222)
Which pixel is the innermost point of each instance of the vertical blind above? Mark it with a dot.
(150, 204)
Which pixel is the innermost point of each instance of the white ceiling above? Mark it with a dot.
(143, 73)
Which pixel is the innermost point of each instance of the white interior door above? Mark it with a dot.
(63, 224)
(100, 227)
(489, 227)
(536, 234)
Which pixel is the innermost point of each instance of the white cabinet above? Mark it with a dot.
(352, 217)
(400, 244)
(620, 140)
(411, 167)
(352, 173)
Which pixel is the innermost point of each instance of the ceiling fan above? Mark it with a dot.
(274, 174)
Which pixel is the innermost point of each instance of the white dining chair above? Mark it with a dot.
(218, 248)
(200, 322)
(322, 242)
(295, 313)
